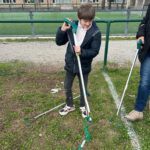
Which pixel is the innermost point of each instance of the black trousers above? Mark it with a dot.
(69, 78)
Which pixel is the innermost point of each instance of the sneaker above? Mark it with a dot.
(83, 111)
(66, 110)
(134, 115)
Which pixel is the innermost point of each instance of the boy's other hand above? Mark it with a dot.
(141, 38)
(77, 49)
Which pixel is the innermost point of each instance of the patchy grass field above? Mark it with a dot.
(25, 92)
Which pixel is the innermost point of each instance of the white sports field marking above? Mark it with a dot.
(134, 138)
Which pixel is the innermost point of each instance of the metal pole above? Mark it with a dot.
(127, 82)
(82, 81)
(46, 112)
(32, 25)
(106, 44)
(126, 25)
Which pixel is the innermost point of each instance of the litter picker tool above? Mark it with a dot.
(139, 44)
(88, 119)
(74, 29)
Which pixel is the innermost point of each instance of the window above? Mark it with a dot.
(61, 1)
(9, 1)
(119, 1)
(94, 1)
(33, 1)
(83, 1)
(29, 1)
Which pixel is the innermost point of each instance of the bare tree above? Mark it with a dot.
(109, 4)
(103, 4)
(122, 5)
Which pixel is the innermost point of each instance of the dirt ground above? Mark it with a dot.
(48, 53)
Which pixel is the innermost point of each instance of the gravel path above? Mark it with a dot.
(49, 53)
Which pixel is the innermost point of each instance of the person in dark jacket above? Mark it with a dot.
(144, 57)
(88, 45)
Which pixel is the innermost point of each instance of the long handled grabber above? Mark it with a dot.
(88, 119)
(139, 44)
(74, 29)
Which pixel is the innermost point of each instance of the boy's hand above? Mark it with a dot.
(77, 49)
(65, 27)
(141, 38)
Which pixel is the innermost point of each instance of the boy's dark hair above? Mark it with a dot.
(86, 11)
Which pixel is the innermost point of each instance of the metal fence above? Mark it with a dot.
(107, 22)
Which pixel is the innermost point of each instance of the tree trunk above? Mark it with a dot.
(109, 4)
(122, 5)
(103, 4)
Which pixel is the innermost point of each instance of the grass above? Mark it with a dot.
(47, 29)
(119, 77)
(25, 92)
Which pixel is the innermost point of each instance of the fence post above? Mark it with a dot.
(106, 44)
(126, 25)
(47, 5)
(9, 7)
(32, 25)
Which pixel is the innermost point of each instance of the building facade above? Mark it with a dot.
(137, 3)
(128, 3)
(57, 1)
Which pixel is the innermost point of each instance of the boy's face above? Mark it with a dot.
(85, 23)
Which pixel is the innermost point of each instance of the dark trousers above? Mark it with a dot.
(69, 78)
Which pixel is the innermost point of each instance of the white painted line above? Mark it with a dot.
(134, 138)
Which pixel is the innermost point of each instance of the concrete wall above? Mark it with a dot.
(146, 2)
(19, 1)
(138, 4)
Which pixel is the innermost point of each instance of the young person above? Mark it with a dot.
(88, 45)
(144, 57)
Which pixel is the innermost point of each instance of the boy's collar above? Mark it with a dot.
(79, 25)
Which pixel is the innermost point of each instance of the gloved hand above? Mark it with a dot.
(139, 44)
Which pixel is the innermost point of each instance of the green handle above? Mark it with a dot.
(87, 134)
(72, 24)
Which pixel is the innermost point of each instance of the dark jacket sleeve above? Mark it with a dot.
(142, 26)
(61, 37)
(94, 49)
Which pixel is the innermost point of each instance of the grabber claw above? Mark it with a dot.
(80, 148)
(139, 45)
(27, 121)
(88, 119)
